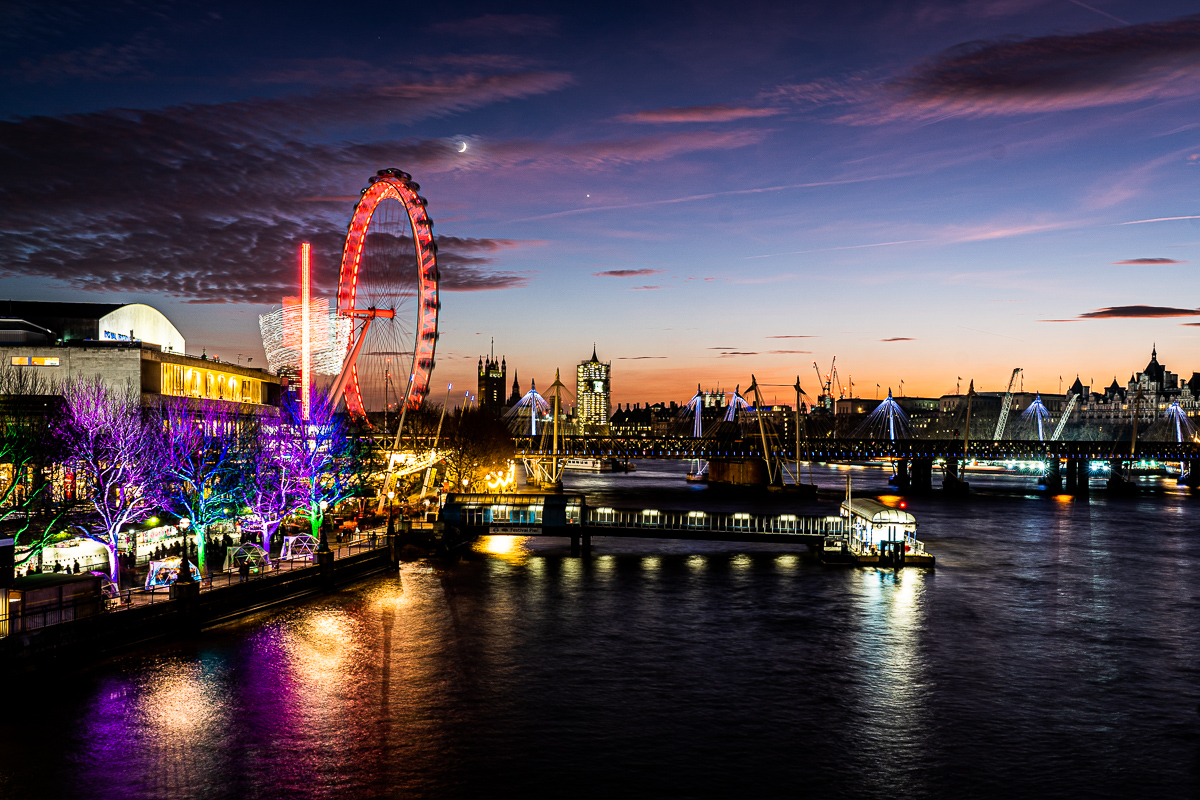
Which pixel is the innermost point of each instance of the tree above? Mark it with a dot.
(475, 442)
(115, 449)
(269, 485)
(203, 444)
(322, 451)
(28, 449)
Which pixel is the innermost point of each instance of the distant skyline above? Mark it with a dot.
(927, 190)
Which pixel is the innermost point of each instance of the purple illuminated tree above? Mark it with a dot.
(29, 514)
(115, 449)
(323, 452)
(203, 445)
(269, 484)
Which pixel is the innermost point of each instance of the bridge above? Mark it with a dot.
(1066, 461)
(843, 449)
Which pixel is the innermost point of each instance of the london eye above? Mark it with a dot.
(388, 287)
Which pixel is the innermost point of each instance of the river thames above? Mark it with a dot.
(1054, 652)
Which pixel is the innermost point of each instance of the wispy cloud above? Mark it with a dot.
(645, 288)
(1160, 219)
(637, 358)
(794, 336)
(898, 339)
(715, 113)
(1148, 261)
(626, 273)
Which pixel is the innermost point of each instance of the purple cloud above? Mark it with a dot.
(898, 339)
(626, 273)
(1138, 312)
(715, 113)
(1149, 61)
(1149, 261)
(499, 25)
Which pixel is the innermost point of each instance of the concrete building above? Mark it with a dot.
(68, 341)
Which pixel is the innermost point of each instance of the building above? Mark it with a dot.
(1157, 386)
(492, 378)
(62, 342)
(593, 394)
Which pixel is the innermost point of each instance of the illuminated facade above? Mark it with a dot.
(62, 342)
(592, 394)
(492, 377)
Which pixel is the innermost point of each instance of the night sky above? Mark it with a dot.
(927, 190)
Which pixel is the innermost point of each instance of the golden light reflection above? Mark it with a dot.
(509, 548)
(697, 562)
(181, 701)
(787, 561)
(890, 500)
(741, 561)
(651, 562)
(1064, 498)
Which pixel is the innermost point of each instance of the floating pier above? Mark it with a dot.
(865, 532)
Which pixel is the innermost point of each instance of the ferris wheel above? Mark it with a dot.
(388, 287)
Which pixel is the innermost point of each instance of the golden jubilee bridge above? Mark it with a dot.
(1067, 465)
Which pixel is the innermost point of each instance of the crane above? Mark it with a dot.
(1004, 409)
(1062, 422)
(826, 383)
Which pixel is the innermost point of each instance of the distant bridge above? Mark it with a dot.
(678, 447)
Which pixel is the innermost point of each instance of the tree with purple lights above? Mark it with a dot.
(269, 484)
(28, 513)
(116, 452)
(202, 445)
(322, 452)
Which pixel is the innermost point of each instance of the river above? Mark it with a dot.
(1054, 652)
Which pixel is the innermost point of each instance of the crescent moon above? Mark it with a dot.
(463, 149)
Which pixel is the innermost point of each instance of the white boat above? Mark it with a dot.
(589, 464)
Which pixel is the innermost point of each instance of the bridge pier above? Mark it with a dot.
(922, 474)
(901, 480)
(1188, 475)
(737, 471)
(1083, 481)
(1117, 482)
(1052, 480)
(950, 481)
(1072, 477)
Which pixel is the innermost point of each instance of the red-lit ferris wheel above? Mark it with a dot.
(388, 289)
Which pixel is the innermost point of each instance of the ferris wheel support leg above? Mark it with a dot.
(343, 378)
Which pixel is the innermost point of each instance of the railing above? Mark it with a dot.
(20, 620)
(785, 524)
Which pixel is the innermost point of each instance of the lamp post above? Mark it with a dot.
(324, 541)
(185, 568)
(391, 528)
(324, 554)
(185, 587)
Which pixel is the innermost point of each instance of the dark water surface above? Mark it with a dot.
(1055, 652)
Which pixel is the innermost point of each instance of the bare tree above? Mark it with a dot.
(116, 452)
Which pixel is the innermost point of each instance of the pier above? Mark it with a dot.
(865, 532)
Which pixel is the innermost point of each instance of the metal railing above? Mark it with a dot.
(21, 620)
(785, 524)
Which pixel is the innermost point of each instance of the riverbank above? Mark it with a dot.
(72, 642)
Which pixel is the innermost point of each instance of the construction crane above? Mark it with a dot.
(1062, 422)
(1004, 409)
(826, 383)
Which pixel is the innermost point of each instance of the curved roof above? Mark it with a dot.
(877, 513)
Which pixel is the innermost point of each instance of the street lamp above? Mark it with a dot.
(391, 528)
(324, 545)
(185, 569)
